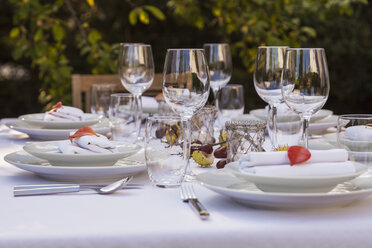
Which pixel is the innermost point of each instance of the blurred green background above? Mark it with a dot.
(44, 42)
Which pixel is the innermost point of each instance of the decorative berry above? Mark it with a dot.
(220, 152)
(221, 164)
(203, 159)
(298, 154)
(207, 148)
(160, 132)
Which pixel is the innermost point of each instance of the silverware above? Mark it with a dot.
(188, 195)
(31, 186)
(24, 190)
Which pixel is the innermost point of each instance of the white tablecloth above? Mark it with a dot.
(154, 217)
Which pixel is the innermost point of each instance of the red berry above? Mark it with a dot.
(298, 154)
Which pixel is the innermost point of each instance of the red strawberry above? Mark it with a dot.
(298, 154)
(57, 106)
(86, 130)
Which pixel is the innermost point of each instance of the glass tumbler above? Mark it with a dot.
(100, 98)
(165, 160)
(202, 124)
(122, 115)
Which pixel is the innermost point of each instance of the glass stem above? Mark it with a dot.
(305, 132)
(272, 121)
(186, 122)
(216, 93)
(138, 114)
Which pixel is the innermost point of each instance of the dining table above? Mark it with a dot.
(157, 217)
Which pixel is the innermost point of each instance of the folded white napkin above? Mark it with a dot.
(306, 170)
(97, 144)
(149, 103)
(66, 147)
(359, 133)
(278, 164)
(64, 113)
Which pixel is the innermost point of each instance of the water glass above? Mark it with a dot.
(100, 98)
(122, 117)
(202, 124)
(354, 133)
(165, 160)
(230, 103)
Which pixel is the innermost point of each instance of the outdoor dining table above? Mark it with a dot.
(156, 217)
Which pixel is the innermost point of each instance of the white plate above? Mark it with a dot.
(295, 184)
(262, 114)
(37, 120)
(49, 150)
(222, 182)
(53, 134)
(124, 167)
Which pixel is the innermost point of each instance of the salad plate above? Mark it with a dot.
(262, 114)
(49, 151)
(318, 184)
(124, 167)
(37, 120)
(245, 192)
(102, 127)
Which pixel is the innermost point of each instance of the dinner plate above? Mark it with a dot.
(262, 114)
(224, 183)
(49, 150)
(295, 184)
(124, 167)
(53, 134)
(37, 120)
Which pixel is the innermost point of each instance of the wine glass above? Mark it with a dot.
(220, 66)
(305, 83)
(186, 87)
(136, 72)
(267, 82)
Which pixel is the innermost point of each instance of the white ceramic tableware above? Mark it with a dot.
(37, 120)
(222, 182)
(49, 150)
(262, 114)
(53, 134)
(355, 145)
(124, 167)
(295, 184)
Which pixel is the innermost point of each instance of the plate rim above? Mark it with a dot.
(21, 117)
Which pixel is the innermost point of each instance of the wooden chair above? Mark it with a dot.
(81, 85)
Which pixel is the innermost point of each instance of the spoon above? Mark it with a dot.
(108, 189)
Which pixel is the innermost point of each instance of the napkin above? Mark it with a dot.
(95, 143)
(64, 113)
(67, 147)
(321, 163)
(359, 133)
(149, 104)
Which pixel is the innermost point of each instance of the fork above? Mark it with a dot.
(188, 195)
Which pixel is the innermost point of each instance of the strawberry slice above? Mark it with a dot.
(86, 130)
(298, 154)
(56, 106)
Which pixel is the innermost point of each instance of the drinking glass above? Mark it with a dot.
(231, 103)
(122, 117)
(186, 86)
(165, 160)
(100, 98)
(267, 82)
(220, 66)
(136, 72)
(305, 83)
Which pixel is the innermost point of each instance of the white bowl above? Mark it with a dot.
(295, 184)
(37, 120)
(262, 114)
(49, 150)
(355, 145)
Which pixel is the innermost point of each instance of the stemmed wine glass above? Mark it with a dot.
(305, 83)
(267, 82)
(136, 72)
(220, 66)
(186, 87)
